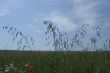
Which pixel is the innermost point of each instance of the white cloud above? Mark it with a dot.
(15, 3)
(39, 31)
(30, 26)
(87, 10)
(34, 29)
(63, 22)
(4, 10)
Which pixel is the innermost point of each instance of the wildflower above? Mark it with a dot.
(6, 70)
(29, 66)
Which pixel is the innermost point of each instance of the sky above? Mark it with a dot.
(28, 17)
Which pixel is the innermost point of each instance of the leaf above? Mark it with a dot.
(76, 36)
(45, 22)
(50, 25)
(8, 31)
(24, 46)
(83, 30)
(93, 40)
(11, 28)
(13, 33)
(3, 27)
(17, 34)
(32, 39)
(6, 27)
(98, 34)
(82, 34)
(15, 29)
(19, 41)
(46, 32)
(46, 38)
(13, 39)
(21, 33)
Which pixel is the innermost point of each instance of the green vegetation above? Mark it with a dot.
(62, 62)
(22, 41)
(64, 58)
(82, 39)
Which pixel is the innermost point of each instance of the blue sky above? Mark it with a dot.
(28, 17)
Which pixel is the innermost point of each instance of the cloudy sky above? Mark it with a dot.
(28, 16)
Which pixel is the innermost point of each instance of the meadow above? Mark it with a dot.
(59, 62)
(93, 58)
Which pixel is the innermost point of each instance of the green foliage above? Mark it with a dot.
(64, 42)
(53, 29)
(97, 35)
(12, 68)
(106, 45)
(79, 34)
(62, 60)
(45, 62)
(61, 41)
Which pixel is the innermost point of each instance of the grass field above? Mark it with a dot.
(59, 62)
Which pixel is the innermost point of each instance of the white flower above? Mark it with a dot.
(6, 70)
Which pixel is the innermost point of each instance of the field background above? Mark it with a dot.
(59, 62)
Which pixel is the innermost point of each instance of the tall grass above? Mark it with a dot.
(79, 39)
(74, 62)
(22, 41)
(63, 59)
